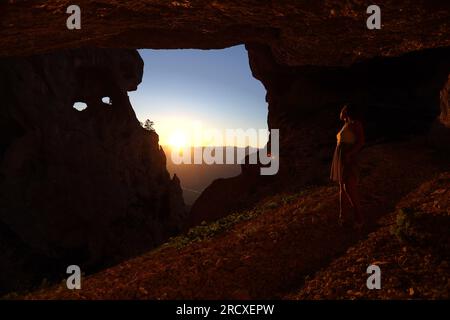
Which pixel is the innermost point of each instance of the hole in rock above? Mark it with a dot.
(107, 100)
(191, 98)
(80, 106)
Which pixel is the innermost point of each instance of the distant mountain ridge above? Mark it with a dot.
(290, 246)
(196, 177)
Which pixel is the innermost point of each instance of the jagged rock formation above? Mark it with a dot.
(397, 96)
(311, 56)
(78, 187)
(412, 247)
(288, 237)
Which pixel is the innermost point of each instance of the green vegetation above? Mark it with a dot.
(408, 226)
(148, 125)
(209, 230)
(424, 230)
(272, 205)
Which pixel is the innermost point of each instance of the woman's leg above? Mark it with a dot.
(351, 190)
(341, 201)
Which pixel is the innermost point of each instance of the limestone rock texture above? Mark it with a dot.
(78, 187)
(327, 32)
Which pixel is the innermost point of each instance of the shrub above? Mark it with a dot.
(206, 231)
(423, 229)
(407, 225)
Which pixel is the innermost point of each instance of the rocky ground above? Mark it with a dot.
(411, 248)
(275, 249)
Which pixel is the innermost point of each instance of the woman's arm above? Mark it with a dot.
(358, 130)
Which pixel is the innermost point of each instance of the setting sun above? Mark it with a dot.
(178, 140)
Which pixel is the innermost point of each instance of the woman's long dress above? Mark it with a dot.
(340, 168)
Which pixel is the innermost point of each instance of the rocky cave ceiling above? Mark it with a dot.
(306, 32)
(62, 171)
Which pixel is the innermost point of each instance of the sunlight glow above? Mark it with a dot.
(178, 140)
(215, 87)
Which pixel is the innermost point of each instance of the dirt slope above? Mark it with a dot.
(268, 254)
(412, 253)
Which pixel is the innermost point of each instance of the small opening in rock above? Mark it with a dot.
(80, 106)
(107, 100)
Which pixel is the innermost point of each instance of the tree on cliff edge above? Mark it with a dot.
(148, 125)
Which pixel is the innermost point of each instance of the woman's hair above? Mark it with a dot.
(351, 111)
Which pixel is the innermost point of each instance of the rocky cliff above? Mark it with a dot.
(78, 187)
(398, 97)
(311, 56)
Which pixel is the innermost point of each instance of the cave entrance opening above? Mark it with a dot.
(192, 97)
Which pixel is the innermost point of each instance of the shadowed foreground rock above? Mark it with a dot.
(77, 187)
(92, 186)
(397, 97)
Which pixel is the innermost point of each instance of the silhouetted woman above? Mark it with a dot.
(344, 168)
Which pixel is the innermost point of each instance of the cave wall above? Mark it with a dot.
(439, 135)
(308, 32)
(398, 98)
(444, 117)
(93, 185)
(78, 187)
